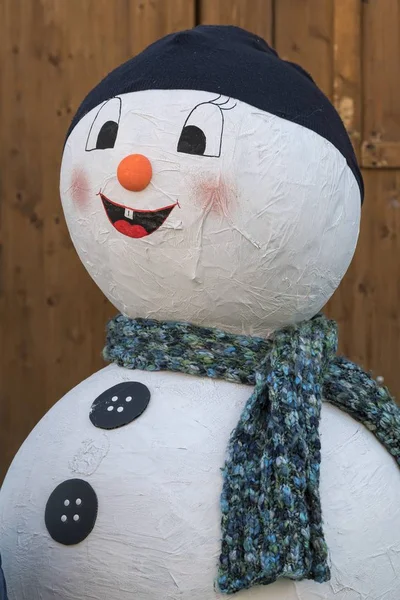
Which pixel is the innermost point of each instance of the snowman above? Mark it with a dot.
(212, 193)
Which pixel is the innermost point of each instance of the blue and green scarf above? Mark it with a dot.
(270, 504)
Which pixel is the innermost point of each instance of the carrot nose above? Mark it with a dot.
(134, 172)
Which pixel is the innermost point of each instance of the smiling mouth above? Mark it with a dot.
(135, 223)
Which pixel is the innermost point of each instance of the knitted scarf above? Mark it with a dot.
(270, 504)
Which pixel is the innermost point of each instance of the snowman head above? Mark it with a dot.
(207, 180)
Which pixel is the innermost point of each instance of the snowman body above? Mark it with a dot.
(158, 481)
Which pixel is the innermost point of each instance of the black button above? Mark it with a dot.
(71, 511)
(119, 405)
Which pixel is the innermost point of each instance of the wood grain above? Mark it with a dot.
(150, 20)
(380, 155)
(52, 314)
(347, 66)
(304, 34)
(381, 71)
(256, 16)
(347, 97)
(366, 304)
(375, 315)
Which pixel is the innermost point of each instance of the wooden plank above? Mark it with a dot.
(366, 305)
(23, 314)
(381, 155)
(304, 34)
(254, 15)
(152, 19)
(367, 302)
(347, 67)
(381, 35)
(52, 315)
(324, 37)
(347, 97)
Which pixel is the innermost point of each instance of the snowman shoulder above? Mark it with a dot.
(359, 490)
(357, 471)
(71, 412)
(345, 437)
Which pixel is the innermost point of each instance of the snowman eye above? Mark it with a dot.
(104, 129)
(192, 141)
(202, 131)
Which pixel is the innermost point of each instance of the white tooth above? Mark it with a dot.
(128, 213)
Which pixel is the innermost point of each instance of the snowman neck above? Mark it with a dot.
(270, 504)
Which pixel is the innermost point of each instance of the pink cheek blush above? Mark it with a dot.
(80, 188)
(215, 195)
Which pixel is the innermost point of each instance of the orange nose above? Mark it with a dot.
(134, 172)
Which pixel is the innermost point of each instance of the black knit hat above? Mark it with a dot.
(235, 63)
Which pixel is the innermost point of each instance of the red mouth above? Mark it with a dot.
(135, 223)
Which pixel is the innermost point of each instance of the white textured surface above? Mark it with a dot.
(158, 483)
(262, 235)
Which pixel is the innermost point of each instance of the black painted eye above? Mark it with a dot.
(202, 131)
(192, 140)
(107, 135)
(104, 129)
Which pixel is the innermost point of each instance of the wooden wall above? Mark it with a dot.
(52, 53)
